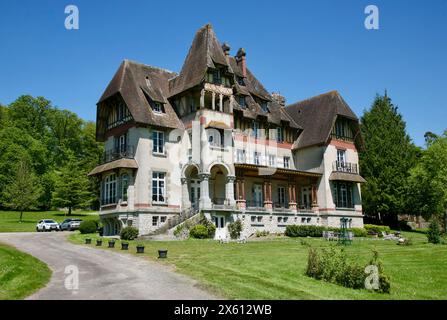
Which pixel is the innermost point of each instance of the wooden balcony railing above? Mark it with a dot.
(119, 153)
(348, 167)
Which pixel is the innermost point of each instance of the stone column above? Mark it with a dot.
(292, 201)
(314, 195)
(202, 99)
(267, 201)
(240, 201)
(186, 203)
(221, 102)
(213, 100)
(231, 104)
(205, 201)
(229, 190)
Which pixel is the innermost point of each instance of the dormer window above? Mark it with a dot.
(157, 107)
(217, 78)
(242, 101)
(264, 106)
(240, 81)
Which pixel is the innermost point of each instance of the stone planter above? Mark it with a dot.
(88, 241)
(124, 246)
(140, 249)
(99, 242)
(112, 244)
(162, 254)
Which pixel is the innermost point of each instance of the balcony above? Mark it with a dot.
(127, 152)
(347, 167)
(221, 203)
(281, 206)
(255, 205)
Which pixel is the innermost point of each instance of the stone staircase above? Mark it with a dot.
(173, 222)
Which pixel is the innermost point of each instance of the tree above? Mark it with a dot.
(389, 155)
(433, 233)
(71, 189)
(23, 190)
(427, 183)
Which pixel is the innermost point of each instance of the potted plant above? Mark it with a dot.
(140, 248)
(99, 242)
(124, 245)
(111, 243)
(162, 253)
(88, 240)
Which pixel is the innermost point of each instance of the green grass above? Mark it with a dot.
(274, 269)
(20, 273)
(9, 220)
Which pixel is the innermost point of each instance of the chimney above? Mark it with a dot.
(226, 49)
(240, 59)
(281, 100)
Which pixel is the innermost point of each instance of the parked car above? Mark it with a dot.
(47, 225)
(70, 224)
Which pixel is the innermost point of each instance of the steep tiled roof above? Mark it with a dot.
(136, 82)
(205, 52)
(317, 116)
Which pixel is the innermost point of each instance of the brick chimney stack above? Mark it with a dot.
(281, 100)
(226, 49)
(240, 59)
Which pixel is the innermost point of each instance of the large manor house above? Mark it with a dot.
(211, 139)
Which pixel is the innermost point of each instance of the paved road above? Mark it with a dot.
(102, 274)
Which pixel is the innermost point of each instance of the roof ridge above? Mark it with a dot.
(332, 92)
(149, 66)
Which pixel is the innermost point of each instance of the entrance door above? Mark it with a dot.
(257, 195)
(221, 230)
(194, 193)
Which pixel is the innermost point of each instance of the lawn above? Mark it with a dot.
(274, 268)
(9, 220)
(20, 273)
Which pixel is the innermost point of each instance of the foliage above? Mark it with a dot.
(88, 226)
(427, 182)
(389, 156)
(71, 188)
(304, 231)
(332, 265)
(199, 231)
(129, 233)
(433, 233)
(235, 229)
(23, 191)
(372, 228)
(262, 233)
(46, 138)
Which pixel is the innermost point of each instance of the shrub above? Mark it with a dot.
(235, 229)
(88, 226)
(433, 233)
(372, 228)
(332, 265)
(199, 231)
(262, 233)
(129, 233)
(304, 231)
(208, 224)
(359, 232)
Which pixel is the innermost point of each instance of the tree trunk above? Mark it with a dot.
(69, 211)
(21, 215)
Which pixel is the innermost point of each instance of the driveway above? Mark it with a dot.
(102, 274)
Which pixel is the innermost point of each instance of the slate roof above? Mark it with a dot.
(317, 116)
(136, 82)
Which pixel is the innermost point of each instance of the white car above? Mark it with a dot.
(47, 225)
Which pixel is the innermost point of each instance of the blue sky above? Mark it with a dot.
(300, 48)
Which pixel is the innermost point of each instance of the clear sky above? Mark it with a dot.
(300, 48)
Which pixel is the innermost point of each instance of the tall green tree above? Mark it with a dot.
(23, 191)
(427, 183)
(389, 156)
(71, 189)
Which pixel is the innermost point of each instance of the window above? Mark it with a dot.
(217, 77)
(163, 219)
(279, 219)
(157, 107)
(158, 139)
(240, 156)
(154, 221)
(282, 196)
(259, 218)
(264, 106)
(242, 101)
(253, 218)
(109, 194)
(124, 186)
(272, 160)
(256, 158)
(279, 134)
(240, 81)
(158, 187)
(286, 162)
(343, 195)
(285, 219)
(120, 144)
(341, 157)
(255, 129)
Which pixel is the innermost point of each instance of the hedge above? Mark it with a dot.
(376, 229)
(317, 231)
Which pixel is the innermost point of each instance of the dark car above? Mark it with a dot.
(70, 224)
